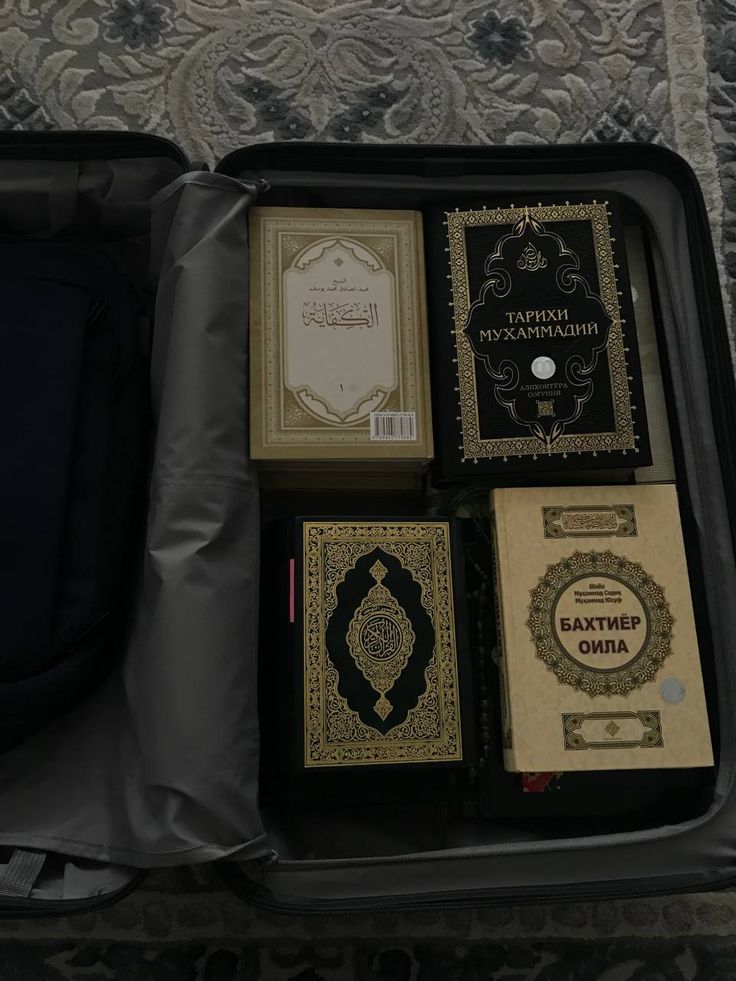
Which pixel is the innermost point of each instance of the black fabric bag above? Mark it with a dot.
(160, 765)
(73, 420)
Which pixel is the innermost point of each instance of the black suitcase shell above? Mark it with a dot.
(161, 766)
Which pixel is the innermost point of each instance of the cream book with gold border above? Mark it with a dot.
(339, 363)
(599, 657)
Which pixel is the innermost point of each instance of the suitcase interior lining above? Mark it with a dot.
(125, 781)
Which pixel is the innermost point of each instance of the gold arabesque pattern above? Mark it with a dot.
(334, 733)
(473, 446)
(642, 668)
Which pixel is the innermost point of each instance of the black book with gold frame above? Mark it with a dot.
(371, 686)
(535, 363)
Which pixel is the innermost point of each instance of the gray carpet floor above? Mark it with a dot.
(217, 74)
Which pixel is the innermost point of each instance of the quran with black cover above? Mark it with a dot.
(535, 365)
(375, 662)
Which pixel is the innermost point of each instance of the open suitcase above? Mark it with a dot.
(159, 767)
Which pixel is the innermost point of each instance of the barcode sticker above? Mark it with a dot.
(394, 425)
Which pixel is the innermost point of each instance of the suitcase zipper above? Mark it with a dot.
(506, 157)
(75, 145)
(437, 902)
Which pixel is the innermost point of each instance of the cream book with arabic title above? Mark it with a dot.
(339, 364)
(599, 655)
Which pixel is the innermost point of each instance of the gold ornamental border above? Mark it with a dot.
(334, 734)
(591, 521)
(600, 681)
(409, 395)
(651, 735)
(473, 447)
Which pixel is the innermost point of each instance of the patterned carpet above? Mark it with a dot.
(185, 926)
(217, 74)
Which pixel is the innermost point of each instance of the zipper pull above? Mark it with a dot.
(255, 185)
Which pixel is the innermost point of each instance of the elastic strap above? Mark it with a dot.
(19, 875)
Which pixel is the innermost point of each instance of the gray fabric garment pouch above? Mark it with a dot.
(160, 766)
